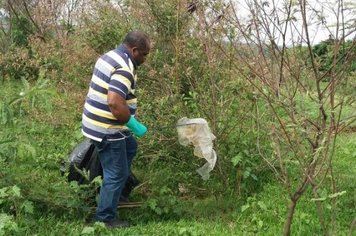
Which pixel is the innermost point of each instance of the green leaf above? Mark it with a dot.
(27, 206)
(164, 190)
(152, 204)
(236, 159)
(158, 210)
(245, 207)
(16, 191)
(262, 205)
(337, 194)
(88, 230)
(318, 199)
(97, 181)
(254, 177)
(246, 152)
(183, 231)
(329, 196)
(7, 224)
(246, 174)
(3, 192)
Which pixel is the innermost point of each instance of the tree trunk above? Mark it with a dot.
(290, 214)
(293, 203)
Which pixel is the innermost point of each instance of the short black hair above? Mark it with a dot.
(137, 39)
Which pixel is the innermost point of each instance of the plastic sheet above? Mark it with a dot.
(80, 151)
(83, 157)
(197, 132)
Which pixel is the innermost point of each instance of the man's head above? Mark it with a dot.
(138, 43)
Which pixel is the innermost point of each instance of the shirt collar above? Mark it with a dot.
(126, 51)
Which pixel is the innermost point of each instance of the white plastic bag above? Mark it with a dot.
(197, 132)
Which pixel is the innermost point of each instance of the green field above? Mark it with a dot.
(38, 201)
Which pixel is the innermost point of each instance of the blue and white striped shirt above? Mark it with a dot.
(114, 71)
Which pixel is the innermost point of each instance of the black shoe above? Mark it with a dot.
(116, 224)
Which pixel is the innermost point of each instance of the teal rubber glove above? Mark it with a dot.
(136, 127)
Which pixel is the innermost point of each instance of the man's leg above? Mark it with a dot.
(113, 159)
(131, 182)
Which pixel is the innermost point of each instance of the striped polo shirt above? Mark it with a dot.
(114, 71)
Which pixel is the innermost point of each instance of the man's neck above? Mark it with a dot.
(127, 50)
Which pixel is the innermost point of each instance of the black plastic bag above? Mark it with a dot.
(84, 157)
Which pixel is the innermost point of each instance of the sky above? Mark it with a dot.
(321, 18)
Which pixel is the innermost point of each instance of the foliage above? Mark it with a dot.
(7, 224)
(21, 31)
(264, 101)
(12, 201)
(105, 28)
(163, 204)
(18, 63)
(324, 53)
(27, 187)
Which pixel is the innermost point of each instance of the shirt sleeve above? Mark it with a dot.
(121, 82)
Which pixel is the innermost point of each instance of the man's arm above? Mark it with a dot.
(120, 110)
(118, 107)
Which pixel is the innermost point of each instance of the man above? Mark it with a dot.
(109, 119)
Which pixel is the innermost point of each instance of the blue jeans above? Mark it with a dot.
(116, 159)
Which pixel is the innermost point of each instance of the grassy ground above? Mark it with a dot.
(40, 142)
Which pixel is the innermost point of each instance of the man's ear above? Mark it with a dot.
(134, 50)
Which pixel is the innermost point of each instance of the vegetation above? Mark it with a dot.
(282, 109)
